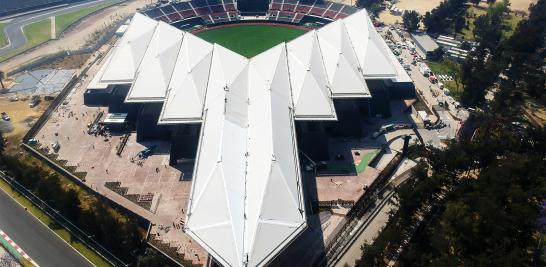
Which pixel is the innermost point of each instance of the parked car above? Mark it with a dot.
(5, 116)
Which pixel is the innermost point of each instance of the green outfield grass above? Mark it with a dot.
(3, 40)
(250, 40)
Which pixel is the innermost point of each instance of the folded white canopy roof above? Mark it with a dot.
(246, 201)
(129, 51)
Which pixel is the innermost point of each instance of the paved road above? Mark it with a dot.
(14, 30)
(41, 244)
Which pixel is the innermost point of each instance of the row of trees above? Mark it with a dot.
(2, 144)
(492, 187)
(373, 6)
(486, 193)
(118, 233)
(519, 58)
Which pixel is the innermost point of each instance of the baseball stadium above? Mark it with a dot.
(227, 113)
(240, 90)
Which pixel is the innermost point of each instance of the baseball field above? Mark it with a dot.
(250, 40)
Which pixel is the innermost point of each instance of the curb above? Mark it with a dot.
(3, 176)
(14, 245)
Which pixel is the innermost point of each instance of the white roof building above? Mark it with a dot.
(246, 202)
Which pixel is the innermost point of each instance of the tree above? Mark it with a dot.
(477, 77)
(151, 258)
(488, 30)
(447, 17)
(373, 6)
(411, 20)
(2, 144)
(494, 185)
(367, 3)
(69, 204)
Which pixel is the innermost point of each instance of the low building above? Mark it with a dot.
(425, 45)
(448, 42)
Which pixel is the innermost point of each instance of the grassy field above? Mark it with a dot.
(64, 234)
(3, 40)
(262, 37)
(40, 31)
(452, 68)
(64, 21)
(36, 33)
(510, 22)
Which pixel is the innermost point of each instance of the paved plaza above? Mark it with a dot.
(96, 155)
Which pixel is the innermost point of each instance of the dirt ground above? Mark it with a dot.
(521, 5)
(79, 35)
(69, 62)
(22, 117)
(422, 6)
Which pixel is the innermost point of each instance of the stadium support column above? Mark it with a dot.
(369, 100)
(406, 145)
(53, 30)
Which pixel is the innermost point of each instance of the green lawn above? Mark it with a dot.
(3, 40)
(64, 21)
(351, 168)
(36, 33)
(261, 37)
(452, 68)
(366, 160)
(471, 14)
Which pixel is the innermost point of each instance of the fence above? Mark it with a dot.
(341, 235)
(54, 214)
(54, 104)
(62, 221)
(51, 58)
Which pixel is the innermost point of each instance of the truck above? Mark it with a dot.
(34, 101)
(424, 116)
(423, 69)
(5, 116)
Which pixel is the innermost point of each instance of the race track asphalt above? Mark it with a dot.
(14, 30)
(38, 241)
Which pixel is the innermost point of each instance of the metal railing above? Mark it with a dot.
(63, 222)
(341, 235)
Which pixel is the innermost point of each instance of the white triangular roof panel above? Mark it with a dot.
(130, 50)
(188, 84)
(156, 68)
